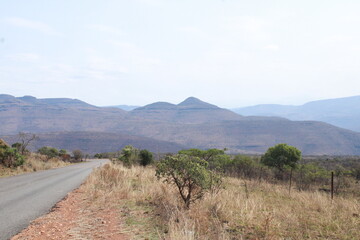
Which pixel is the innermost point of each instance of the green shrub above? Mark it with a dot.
(189, 174)
(146, 157)
(129, 155)
(10, 157)
(216, 158)
(281, 157)
(310, 174)
(50, 152)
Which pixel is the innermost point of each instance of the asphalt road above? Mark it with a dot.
(25, 197)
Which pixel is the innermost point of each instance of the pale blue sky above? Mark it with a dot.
(231, 53)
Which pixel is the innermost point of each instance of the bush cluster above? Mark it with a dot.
(130, 155)
(51, 152)
(10, 157)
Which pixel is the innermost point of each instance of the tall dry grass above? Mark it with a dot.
(244, 209)
(33, 162)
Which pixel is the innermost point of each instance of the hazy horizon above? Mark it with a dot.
(230, 53)
(130, 105)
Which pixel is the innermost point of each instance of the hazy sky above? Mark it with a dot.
(228, 52)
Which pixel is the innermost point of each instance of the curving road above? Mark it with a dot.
(25, 197)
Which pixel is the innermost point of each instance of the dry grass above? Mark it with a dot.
(34, 162)
(152, 209)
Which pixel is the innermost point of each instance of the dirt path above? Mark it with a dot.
(75, 218)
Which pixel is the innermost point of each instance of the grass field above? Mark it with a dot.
(242, 209)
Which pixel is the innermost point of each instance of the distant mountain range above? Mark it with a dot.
(341, 112)
(97, 142)
(165, 127)
(126, 107)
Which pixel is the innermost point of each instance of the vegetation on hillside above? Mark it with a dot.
(17, 159)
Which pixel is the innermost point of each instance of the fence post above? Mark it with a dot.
(290, 180)
(332, 185)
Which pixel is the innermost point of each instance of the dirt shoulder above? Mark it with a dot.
(75, 218)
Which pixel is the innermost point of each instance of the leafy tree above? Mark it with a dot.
(129, 155)
(50, 152)
(206, 155)
(78, 155)
(216, 158)
(188, 173)
(146, 157)
(281, 156)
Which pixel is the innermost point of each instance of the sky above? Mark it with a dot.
(231, 53)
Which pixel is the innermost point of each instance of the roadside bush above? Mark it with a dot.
(78, 155)
(146, 157)
(129, 156)
(50, 152)
(10, 157)
(189, 174)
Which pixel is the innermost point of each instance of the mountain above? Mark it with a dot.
(341, 112)
(190, 111)
(70, 123)
(97, 142)
(30, 114)
(126, 107)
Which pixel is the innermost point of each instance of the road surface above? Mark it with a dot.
(25, 197)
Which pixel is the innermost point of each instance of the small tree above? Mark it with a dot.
(281, 156)
(78, 155)
(129, 155)
(24, 141)
(146, 157)
(189, 174)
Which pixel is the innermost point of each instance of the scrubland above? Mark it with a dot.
(241, 209)
(33, 162)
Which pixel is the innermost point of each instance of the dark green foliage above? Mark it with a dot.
(189, 174)
(50, 152)
(146, 157)
(281, 156)
(356, 172)
(10, 157)
(17, 145)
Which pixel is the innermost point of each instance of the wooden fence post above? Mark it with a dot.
(332, 185)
